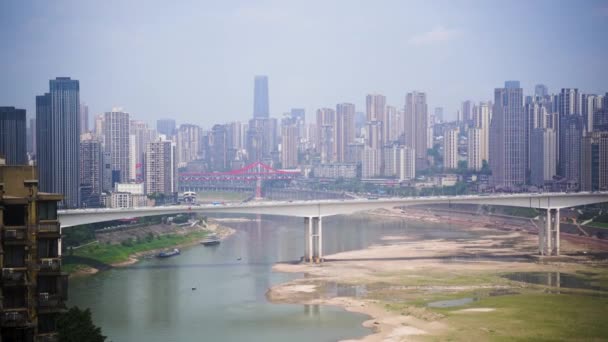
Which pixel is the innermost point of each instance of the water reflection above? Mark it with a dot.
(558, 280)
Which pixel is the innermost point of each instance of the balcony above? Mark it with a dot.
(14, 234)
(50, 264)
(14, 276)
(49, 228)
(51, 337)
(14, 318)
(49, 301)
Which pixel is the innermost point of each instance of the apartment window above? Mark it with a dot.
(47, 210)
(14, 215)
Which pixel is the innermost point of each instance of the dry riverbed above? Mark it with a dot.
(415, 289)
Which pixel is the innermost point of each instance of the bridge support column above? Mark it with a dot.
(313, 240)
(548, 237)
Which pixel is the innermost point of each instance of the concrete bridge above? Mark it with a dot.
(314, 211)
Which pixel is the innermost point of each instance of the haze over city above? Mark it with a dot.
(195, 61)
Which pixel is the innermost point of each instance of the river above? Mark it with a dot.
(217, 293)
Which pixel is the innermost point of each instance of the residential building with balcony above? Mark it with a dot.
(32, 287)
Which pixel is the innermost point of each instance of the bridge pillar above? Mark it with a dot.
(548, 236)
(313, 239)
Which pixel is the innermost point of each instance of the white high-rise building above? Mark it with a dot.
(450, 149)
(370, 163)
(483, 116)
(474, 158)
(139, 137)
(416, 126)
(543, 155)
(399, 161)
(161, 167)
(116, 127)
(345, 129)
(326, 136)
(188, 144)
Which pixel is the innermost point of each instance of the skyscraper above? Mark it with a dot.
(289, 145)
(13, 136)
(161, 168)
(84, 118)
(450, 149)
(91, 171)
(540, 91)
(188, 144)
(570, 135)
(507, 137)
(542, 155)
(326, 126)
(166, 127)
(117, 142)
(139, 137)
(416, 123)
(261, 108)
(594, 163)
(58, 139)
(375, 105)
(345, 129)
(474, 154)
(467, 112)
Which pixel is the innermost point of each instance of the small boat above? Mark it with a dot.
(167, 254)
(211, 240)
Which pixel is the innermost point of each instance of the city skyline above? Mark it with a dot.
(430, 56)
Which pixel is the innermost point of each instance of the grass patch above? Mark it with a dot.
(599, 224)
(531, 317)
(110, 254)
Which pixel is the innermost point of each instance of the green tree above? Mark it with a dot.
(76, 325)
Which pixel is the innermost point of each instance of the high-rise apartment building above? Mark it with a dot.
(345, 129)
(139, 137)
(394, 124)
(116, 127)
(543, 159)
(590, 104)
(467, 111)
(370, 162)
(594, 161)
(416, 123)
(166, 127)
(161, 168)
(439, 114)
(326, 126)
(32, 287)
(218, 140)
(188, 144)
(58, 139)
(91, 171)
(399, 162)
(261, 108)
(507, 137)
(540, 91)
(450, 149)
(13, 144)
(570, 134)
(474, 147)
(84, 118)
(375, 105)
(289, 145)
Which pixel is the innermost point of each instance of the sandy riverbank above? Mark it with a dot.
(394, 278)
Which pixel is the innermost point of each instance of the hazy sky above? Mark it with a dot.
(195, 61)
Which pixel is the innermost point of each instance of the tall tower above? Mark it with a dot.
(260, 97)
(507, 136)
(58, 139)
(416, 123)
(345, 129)
(13, 135)
(117, 142)
(326, 126)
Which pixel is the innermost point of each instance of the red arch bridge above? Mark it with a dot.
(248, 178)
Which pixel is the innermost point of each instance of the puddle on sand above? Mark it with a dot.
(451, 302)
(557, 279)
